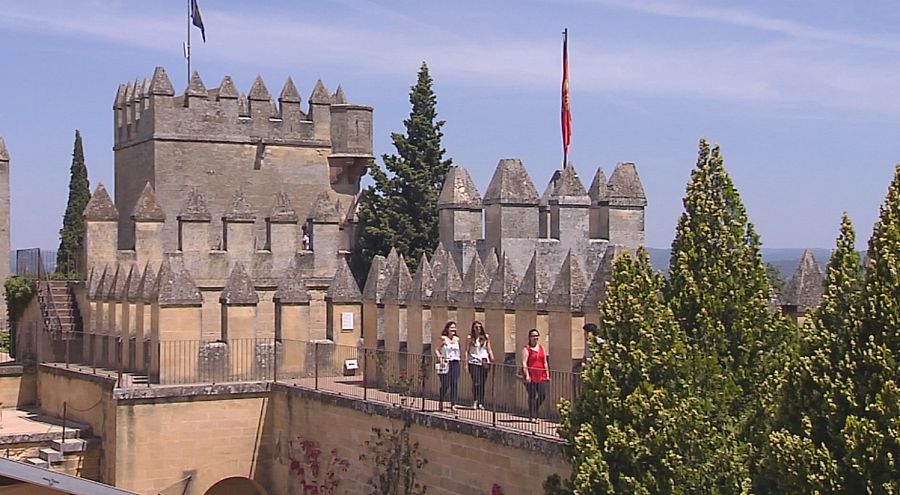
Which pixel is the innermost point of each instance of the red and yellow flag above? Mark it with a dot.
(566, 113)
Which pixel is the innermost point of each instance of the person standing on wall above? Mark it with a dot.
(448, 352)
(535, 372)
(480, 357)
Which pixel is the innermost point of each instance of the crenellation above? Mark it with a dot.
(196, 92)
(234, 216)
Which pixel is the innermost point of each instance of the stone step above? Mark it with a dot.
(37, 461)
(70, 445)
(50, 455)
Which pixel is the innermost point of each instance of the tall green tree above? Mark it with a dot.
(400, 208)
(719, 293)
(817, 395)
(839, 430)
(639, 426)
(71, 236)
(872, 435)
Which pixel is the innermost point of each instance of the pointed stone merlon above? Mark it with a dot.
(238, 234)
(805, 288)
(511, 205)
(344, 308)
(597, 192)
(148, 218)
(325, 233)
(281, 226)
(239, 301)
(569, 219)
(101, 229)
(459, 208)
(622, 211)
(193, 223)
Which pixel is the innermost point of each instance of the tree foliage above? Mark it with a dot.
(19, 291)
(639, 426)
(71, 236)
(678, 399)
(719, 291)
(400, 208)
(838, 429)
(396, 462)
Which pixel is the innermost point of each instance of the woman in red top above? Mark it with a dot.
(534, 367)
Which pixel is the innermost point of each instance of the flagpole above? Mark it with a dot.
(565, 111)
(188, 50)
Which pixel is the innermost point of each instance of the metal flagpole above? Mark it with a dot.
(187, 51)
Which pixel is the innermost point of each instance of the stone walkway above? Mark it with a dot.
(500, 417)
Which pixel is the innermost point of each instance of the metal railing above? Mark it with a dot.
(400, 379)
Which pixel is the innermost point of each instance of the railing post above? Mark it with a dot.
(65, 407)
(423, 370)
(493, 397)
(275, 360)
(365, 375)
(316, 358)
(66, 336)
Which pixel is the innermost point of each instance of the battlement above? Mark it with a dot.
(149, 109)
(313, 244)
(567, 220)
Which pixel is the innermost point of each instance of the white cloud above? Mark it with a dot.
(796, 73)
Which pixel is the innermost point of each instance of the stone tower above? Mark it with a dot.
(219, 139)
(4, 222)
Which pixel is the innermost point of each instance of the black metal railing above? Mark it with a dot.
(495, 395)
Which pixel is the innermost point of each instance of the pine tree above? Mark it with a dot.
(71, 236)
(400, 208)
(719, 292)
(840, 416)
(817, 396)
(638, 426)
(872, 436)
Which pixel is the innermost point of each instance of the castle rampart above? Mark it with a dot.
(217, 139)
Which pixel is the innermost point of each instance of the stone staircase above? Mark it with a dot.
(58, 305)
(66, 456)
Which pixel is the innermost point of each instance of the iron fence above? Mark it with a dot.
(495, 395)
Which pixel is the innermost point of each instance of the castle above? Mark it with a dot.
(232, 212)
(220, 270)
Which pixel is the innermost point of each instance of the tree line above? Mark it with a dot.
(700, 387)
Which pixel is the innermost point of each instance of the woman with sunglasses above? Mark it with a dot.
(535, 372)
(448, 352)
(480, 358)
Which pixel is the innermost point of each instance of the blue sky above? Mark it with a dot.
(803, 96)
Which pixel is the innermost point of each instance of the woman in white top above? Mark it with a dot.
(480, 357)
(448, 352)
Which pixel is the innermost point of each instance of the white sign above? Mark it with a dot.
(346, 321)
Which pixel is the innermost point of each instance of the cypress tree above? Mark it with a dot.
(400, 208)
(719, 292)
(816, 396)
(639, 426)
(71, 236)
(872, 435)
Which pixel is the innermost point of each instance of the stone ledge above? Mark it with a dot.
(503, 437)
(107, 381)
(11, 370)
(191, 392)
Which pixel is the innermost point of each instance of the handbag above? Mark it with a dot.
(442, 367)
(485, 363)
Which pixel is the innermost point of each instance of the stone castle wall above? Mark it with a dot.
(220, 140)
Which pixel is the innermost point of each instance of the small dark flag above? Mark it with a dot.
(197, 18)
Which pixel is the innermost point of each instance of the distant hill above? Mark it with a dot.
(786, 259)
